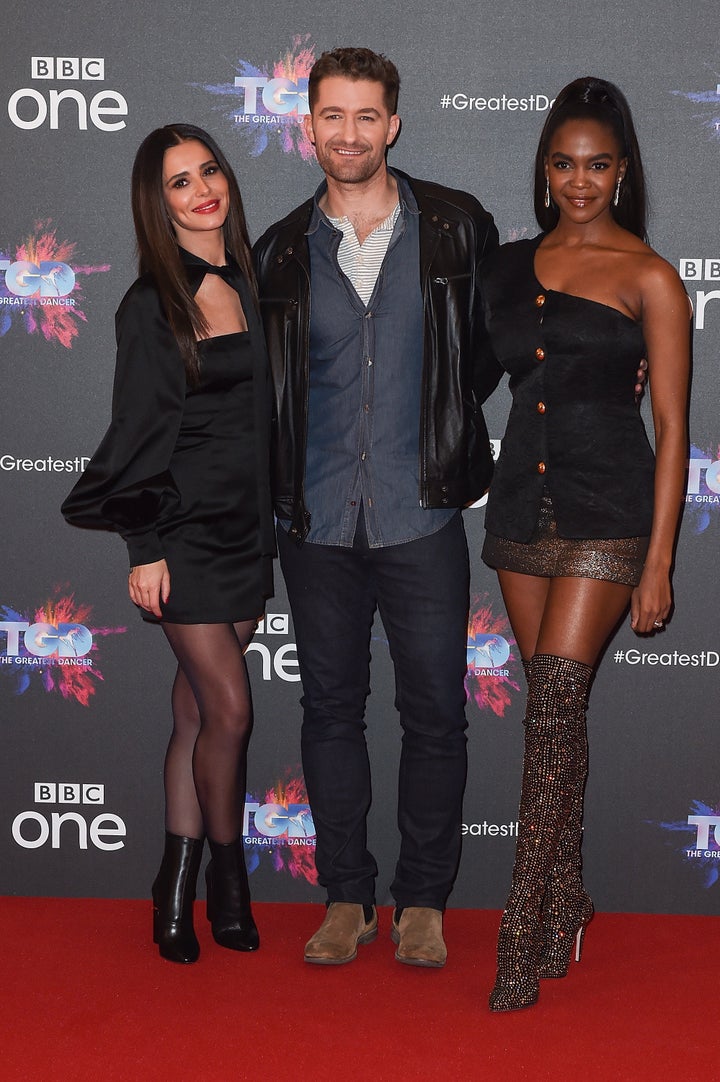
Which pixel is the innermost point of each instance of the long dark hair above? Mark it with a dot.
(157, 244)
(596, 99)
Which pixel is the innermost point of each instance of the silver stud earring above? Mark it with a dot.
(547, 193)
(616, 197)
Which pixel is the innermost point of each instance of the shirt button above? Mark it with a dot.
(352, 503)
(369, 362)
(540, 300)
(541, 467)
(366, 408)
(540, 353)
(540, 407)
(363, 456)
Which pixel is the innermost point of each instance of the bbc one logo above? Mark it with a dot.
(79, 828)
(495, 446)
(696, 272)
(67, 644)
(65, 107)
(279, 659)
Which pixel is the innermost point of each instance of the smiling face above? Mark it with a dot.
(583, 165)
(351, 128)
(196, 191)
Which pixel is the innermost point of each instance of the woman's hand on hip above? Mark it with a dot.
(148, 584)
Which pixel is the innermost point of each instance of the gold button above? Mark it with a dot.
(540, 407)
(540, 300)
(540, 353)
(541, 467)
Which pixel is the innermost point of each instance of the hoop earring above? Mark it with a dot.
(547, 193)
(616, 197)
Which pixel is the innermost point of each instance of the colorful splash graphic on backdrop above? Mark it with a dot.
(280, 828)
(265, 105)
(53, 309)
(54, 648)
(709, 114)
(701, 849)
(702, 503)
(488, 682)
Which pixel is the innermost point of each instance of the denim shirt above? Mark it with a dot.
(364, 395)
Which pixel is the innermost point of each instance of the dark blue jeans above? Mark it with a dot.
(421, 591)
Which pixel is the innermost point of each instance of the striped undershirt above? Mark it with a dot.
(361, 263)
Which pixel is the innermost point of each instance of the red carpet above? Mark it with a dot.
(86, 997)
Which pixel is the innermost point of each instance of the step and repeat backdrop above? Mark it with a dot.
(84, 684)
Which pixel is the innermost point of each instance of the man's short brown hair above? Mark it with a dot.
(356, 64)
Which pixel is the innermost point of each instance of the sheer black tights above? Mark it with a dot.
(205, 765)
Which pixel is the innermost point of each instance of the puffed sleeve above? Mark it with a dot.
(127, 485)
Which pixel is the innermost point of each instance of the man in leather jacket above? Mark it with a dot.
(373, 321)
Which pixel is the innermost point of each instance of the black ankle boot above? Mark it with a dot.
(173, 894)
(228, 898)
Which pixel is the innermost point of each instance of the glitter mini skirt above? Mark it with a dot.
(612, 559)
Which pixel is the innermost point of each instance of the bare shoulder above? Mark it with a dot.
(652, 274)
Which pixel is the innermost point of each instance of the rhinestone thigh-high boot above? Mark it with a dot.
(567, 907)
(552, 768)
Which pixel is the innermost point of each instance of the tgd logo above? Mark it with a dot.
(487, 654)
(706, 825)
(30, 108)
(698, 466)
(46, 279)
(274, 820)
(279, 96)
(44, 640)
(33, 829)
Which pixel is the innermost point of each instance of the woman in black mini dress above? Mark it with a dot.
(582, 516)
(183, 475)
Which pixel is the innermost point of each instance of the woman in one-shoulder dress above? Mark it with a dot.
(183, 475)
(582, 517)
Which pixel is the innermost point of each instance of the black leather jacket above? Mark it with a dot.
(456, 233)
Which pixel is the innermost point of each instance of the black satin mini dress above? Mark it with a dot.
(211, 535)
(183, 472)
